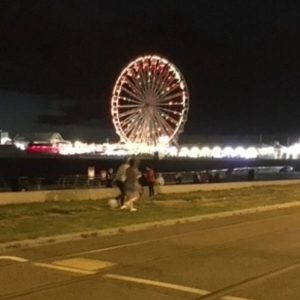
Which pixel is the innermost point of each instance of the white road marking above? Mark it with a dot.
(161, 284)
(61, 268)
(122, 277)
(86, 264)
(14, 258)
(158, 284)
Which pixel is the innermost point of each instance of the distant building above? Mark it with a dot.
(21, 140)
(4, 138)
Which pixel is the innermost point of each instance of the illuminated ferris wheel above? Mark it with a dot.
(150, 102)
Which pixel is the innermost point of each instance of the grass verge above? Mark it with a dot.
(30, 221)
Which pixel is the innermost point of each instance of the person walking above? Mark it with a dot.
(178, 178)
(109, 177)
(133, 188)
(159, 181)
(150, 179)
(120, 178)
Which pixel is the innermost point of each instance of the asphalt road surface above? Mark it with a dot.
(253, 257)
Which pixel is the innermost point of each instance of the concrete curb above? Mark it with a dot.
(137, 227)
(105, 193)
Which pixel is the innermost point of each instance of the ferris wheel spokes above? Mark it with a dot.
(137, 90)
(150, 101)
(129, 113)
(132, 94)
(169, 90)
(162, 81)
(167, 110)
(134, 127)
(164, 124)
(170, 97)
(126, 99)
(131, 122)
(136, 132)
(161, 126)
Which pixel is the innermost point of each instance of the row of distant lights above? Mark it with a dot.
(107, 149)
(292, 151)
(218, 152)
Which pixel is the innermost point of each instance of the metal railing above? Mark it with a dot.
(83, 181)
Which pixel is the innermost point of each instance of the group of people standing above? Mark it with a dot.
(130, 180)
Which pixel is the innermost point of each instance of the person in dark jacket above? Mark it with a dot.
(150, 180)
(109, 177)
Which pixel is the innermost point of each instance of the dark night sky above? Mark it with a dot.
(59, 61)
